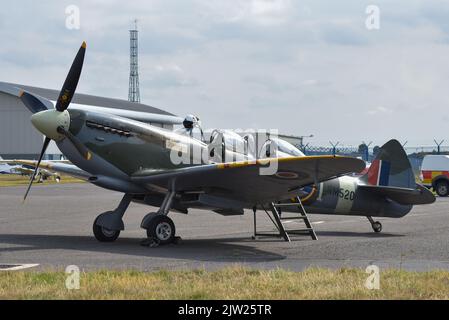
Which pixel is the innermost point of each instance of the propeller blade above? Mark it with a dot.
(69, 87)
(44, 148)
(31, 102)
(82, 149)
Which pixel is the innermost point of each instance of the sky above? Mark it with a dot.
(301, 67)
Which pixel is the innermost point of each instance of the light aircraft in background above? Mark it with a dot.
(26, 168)
(123, 154)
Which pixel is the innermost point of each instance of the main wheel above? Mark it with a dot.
(442, 188)
(162, 229)
(103, 234)
(377, 226)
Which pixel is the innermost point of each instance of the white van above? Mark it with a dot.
(435, 173)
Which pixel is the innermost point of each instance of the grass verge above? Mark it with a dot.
(229, 283)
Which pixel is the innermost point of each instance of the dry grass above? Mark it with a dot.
(229, 283)
(12, 180)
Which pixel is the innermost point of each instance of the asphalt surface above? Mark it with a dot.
(54, 230)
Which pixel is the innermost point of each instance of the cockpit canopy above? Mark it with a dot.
(232, 141)
(244, 146)
(279, 148)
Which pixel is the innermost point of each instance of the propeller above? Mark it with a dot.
(69, 87)
(54, 124)
(44, 147)
(31, 102)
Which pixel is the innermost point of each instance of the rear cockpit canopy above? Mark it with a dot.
(232, 141)
(279, 148)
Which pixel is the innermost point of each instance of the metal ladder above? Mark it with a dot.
(277, 219)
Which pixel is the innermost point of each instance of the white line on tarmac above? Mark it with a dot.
(290, 221)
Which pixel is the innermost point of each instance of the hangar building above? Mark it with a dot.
(20, 140)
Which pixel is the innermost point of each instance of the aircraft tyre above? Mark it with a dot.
(377, 226)
(162, 229)
(103, 234)
(442, 188)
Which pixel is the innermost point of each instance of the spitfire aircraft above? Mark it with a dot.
(121, 153)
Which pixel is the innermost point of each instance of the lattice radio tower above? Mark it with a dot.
(134, 91)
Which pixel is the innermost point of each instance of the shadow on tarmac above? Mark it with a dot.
(219, 250)
(357, 234)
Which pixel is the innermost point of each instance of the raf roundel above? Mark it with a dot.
(287, 175)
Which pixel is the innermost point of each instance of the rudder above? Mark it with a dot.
(391, 167)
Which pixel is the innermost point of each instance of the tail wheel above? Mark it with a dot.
(103, 234)
(377, 227)
(162, 229)
(442, 188)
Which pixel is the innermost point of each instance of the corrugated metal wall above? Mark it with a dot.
(18, 138)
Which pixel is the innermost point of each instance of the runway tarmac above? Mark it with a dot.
(54, 229)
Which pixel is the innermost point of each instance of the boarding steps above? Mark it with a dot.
(277, 218)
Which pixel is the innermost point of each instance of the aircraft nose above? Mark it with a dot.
(48, 121)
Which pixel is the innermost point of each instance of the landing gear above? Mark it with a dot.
(376, 225)
(39, 178)
(160, 228)
(103, 234)
(107, 226)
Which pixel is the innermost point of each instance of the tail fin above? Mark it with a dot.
(391, 168)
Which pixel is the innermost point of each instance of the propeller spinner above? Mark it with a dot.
(54, 124)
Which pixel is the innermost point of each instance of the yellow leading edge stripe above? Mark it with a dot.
(238, 164)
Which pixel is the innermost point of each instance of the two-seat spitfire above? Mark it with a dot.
(123, 154)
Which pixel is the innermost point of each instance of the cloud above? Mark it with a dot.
(260, 12)
(168, 76)
(303, 67)
(379, 110)
(344, 34)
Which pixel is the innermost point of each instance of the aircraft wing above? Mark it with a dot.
(29, 162)
(58, 166)
(22, 170)
(243, 182)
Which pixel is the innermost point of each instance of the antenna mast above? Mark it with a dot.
(134, 91)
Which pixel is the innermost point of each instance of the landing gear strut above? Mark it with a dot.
(107, 226)
(376, 225)
(160, 228)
